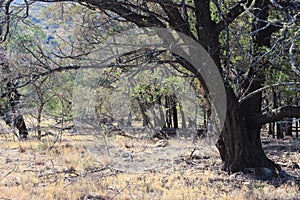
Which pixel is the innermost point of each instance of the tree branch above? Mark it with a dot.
(122, 9)
(282, 4)
(203, 18)
(176, 20)
(278, 114)
(140, 20)
(251, 94)
(233, 13)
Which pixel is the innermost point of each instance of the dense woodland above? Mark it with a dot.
(254, 45)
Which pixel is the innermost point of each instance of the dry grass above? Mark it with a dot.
(69, 170)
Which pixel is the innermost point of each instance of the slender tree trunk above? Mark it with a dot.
(289, 128)
(289, 123)
(146, 119)
(39, 121)
(276, 102)
(183, 120)
(271, 129)
(171, 111)
(168, 111)
(297, 122)
(129, 120)
(297, 126)
(174, 110)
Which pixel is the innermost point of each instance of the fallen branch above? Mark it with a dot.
(124, 134)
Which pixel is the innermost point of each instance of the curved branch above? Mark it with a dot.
(176, 19)
(140, 20)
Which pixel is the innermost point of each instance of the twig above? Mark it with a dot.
(10, 171)
(120, 191)
(192, 153)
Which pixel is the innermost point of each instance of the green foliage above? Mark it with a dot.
(20, 39)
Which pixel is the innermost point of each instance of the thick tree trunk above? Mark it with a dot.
(239, 144)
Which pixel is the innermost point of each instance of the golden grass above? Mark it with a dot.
(67, 170)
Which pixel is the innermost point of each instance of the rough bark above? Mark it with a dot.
(240, 143)
(237, 149)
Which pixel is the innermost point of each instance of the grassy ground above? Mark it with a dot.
(90, 167)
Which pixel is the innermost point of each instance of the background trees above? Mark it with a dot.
(252, 43)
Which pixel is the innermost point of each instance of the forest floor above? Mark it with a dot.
(79, 166)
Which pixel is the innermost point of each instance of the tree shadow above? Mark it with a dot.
(247, 176)
(285, 147)
(276, 180)
(283, 150)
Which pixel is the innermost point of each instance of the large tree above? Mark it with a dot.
(209, 23)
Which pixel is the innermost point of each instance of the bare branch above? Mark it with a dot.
(251, 94)
(140, 20)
